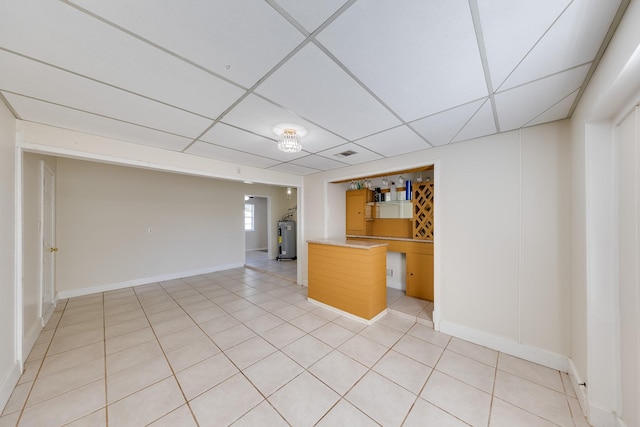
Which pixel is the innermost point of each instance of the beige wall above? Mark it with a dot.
(280, 205)
(9, 367)
(104, 213)
(31, 244)
(258, 237)
(504, 235)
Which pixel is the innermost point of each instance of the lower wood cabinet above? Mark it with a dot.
(420, 275)
(419, 265)
(349, 278)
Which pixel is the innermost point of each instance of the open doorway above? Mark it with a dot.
(398, 208)
(256, 225)
(262, 216)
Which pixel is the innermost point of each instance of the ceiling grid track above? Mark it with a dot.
(477, 26)
(307, 40)
(150, 43)
(103, 83)
(378, 78)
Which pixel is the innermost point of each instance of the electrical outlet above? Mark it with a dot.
(389, 272)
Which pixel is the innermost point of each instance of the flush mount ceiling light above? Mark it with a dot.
(289, 135)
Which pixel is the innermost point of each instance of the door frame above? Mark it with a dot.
(44, 172)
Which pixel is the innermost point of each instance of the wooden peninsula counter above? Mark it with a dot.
(349, 275)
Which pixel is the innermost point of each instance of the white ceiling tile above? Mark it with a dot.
(558, 111)
(511, 28)
(318, 162)
(513, 113)
(361, 154)
(102, 51)
(419, 58)
(293, 169)
(440, 128)
(200, 148)
(159, 73)
(394, 142)
(54, 115)
(260, 116)
(238, 139)
(314, 87)
(30, 78)
(249, 36)
(311, 13)
(573, 40)
(481, 124)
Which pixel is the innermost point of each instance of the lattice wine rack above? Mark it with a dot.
(423, 211)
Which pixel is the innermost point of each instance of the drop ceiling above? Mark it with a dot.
(380, 78)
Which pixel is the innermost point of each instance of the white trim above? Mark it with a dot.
(520, 226)
(349, 315)
(437, 247)
(601, 269)
(599, 417)
(44, 317)
(210, 172)
(18, 276)
(142, 281)
(257, 249)
(580, 390)
(301, 252)
(620, 422)
(395, 284)
(504, 345)
(30, 337)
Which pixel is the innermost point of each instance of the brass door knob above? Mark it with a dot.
(53, 249)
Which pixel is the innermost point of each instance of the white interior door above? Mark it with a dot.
(49, 249)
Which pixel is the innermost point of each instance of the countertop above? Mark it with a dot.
(400, 239)
(348, 243)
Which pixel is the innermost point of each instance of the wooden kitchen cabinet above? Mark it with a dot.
(349, 275)
(359, 212)
(420, 275)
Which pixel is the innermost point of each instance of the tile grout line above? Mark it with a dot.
(173, 373)
(238, 291)
(35, 378)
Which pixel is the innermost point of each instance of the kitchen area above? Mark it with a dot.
(385, 262)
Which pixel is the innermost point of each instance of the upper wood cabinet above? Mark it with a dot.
(358, 212)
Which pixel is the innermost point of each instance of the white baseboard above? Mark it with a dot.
(620, 422)
(580, 390)
(396, 285)
(349, 315)
(142, 281)
(8, 383)
(599, 417)
(523, 351)
(30, 337)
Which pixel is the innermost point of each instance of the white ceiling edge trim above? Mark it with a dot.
(50, 140)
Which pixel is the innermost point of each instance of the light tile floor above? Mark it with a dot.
(245, 348)
(260, 261)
